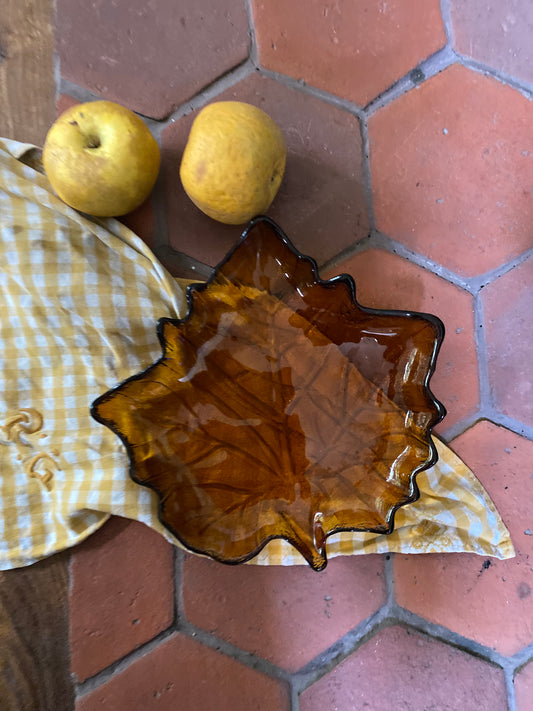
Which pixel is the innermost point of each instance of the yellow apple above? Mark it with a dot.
(101, 159)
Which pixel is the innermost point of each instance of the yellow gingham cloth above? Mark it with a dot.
(80, 300)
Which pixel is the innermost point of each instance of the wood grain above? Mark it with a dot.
(34, 652)
(27, 91)
(34, 660)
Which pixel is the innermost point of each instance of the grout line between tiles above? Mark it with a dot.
(366, 173)
(510, 423)
(230, 650)
(388, 564)
(379, 240)
(509, 686)
(525, 88)
(187, 628)
(305, 88)
(80, 93)
(179, 607)
(383, 241)
(57, 77)
(522, 658)
(203, 96)
(486, 278)
(447, 636)
(434, 64)
(251, 30)
(212, 90)
(446, 14)
(472, 284)
(361, 246)
(488, 414)
(86, 687)
(459, 428)
(83, 95)
(389, 615)
(294, 699)
(485, 395)
(323, 663)
(209, 92)
(294, 696)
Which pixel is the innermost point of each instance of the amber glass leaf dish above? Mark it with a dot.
(280, 407)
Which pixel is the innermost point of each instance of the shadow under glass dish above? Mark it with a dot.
(280, 408)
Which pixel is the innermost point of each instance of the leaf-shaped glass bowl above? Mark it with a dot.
(280, 408)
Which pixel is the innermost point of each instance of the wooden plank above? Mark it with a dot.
(34, 651)
(34, 659)
(27, 91)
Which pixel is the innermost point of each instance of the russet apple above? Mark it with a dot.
(101, 159)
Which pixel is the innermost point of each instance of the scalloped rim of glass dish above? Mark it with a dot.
(440, 410)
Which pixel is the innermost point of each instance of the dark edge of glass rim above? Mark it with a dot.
(347, 279)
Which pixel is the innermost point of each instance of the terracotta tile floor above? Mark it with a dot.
(409, 125)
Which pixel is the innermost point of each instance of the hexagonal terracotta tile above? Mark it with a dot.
(283, 614)
(321, 203)
(386, 281)
(401, 669)
(353, 49)
(150, 56)
(484, 599)
(507, 305)
(523, 685)
(183, 674)
(122, 594)
(498, 34)
(452, 170)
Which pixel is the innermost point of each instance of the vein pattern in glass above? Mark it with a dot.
(280, 408)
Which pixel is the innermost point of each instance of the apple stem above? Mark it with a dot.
(93, 142)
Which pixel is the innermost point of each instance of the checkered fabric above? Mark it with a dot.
(80, 299)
